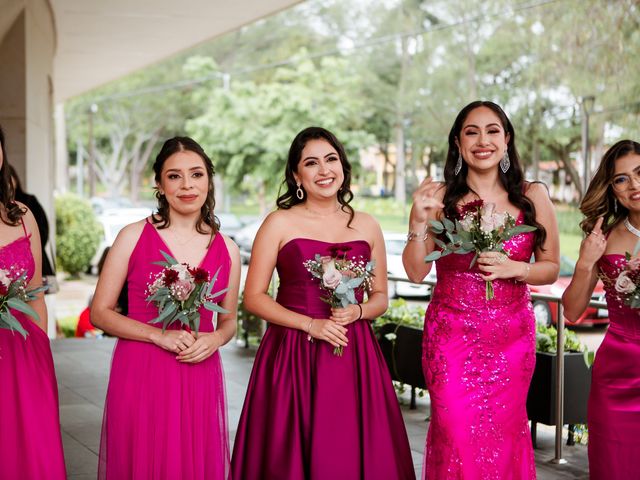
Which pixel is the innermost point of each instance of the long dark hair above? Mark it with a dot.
(512, 181)
(599, 200)
(288, 199)
(12, 211)
(207, 217)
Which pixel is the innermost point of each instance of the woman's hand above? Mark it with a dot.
(329, 331)
(424, 200)
(204, 346)
(498, 265)
(347, 315)
(173, 340)
(593, 246)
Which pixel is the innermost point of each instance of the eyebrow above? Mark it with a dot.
(476, 126)
(635, 170)
(316, 158)
(179, 170)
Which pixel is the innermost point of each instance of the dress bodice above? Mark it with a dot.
(16, 257)
(299, 290)
(463, 286)
(623, 319)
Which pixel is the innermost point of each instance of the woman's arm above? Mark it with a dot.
(207, 344)
(36, 281)
(264, 255)
(112, 278)
(427, 205)
(585, 276)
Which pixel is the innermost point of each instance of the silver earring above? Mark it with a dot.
(615, 205)
(456, 170)
(300, 193)
(505, 163)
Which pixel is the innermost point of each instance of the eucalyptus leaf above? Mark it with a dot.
(12, 323)
(433, 256)
(19, 305)
(448, 225)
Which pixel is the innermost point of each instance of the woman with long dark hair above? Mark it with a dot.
(309, 413)
(30, 442)
(478, 352)
(165, 413)
(611, 207)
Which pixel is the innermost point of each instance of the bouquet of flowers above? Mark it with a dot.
(179, 291)
(479, 229)
(15, 294)
(628, 280)
(340, 277)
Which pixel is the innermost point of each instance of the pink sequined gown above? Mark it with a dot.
(478, 359)
(30, 443)
(164, 419)
(614, 402)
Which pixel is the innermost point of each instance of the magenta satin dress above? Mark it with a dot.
(30, 443)
(311, 415)
(164, 419)
(478, 359)
(614, 402)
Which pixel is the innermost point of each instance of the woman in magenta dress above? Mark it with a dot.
(611, 208)
(479, 354)
(165, 415)
(30, 442)
(310, 414)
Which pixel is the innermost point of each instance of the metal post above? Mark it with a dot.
(586, 105)
(558, 460)
(92, 162)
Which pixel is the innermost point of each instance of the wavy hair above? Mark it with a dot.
(288, 199)
(12, 211)
(599, 199)
(512, 181)
(207, 216)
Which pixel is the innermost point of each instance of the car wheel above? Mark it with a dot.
(542, 312)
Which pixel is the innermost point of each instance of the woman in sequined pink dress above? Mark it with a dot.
(30, 442)
(611, 208)
(479, 354)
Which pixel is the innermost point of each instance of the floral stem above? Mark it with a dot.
(489, 290)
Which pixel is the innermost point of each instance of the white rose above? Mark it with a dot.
(624, 284)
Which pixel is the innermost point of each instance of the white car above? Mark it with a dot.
(395, 243)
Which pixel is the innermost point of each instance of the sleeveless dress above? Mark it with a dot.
(30, 442)
(309, 414)
(614, 402)
(164, 419)
(478, 360)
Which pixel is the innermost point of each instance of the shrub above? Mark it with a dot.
(77, 233)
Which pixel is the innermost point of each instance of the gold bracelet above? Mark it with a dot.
(309, 337)
(417, 237)
(526, 274)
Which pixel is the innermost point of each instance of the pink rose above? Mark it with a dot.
(331, 276)
(181, 289)
(634, 263)
(624, 284)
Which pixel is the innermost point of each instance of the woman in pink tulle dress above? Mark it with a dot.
(30, 443)
(479, 353)
(165, 414)
(611, 208)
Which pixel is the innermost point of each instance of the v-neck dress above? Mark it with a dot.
(164, 419)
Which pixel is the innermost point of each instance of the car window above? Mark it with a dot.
(566, 266)
(394, 247)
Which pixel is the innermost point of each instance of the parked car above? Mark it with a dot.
(245, 236)
(113, 220)
(230, 224)
(547, 312)
(394, 243)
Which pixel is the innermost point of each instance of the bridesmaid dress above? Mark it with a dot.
(309, 414)
(30, 442)
(613, 416)
(478, 360)
(164, 419)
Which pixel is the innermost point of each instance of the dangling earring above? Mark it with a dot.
(456, 170)
(505, 163)
(300, 193)
(615, 205)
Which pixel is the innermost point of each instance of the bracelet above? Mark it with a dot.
(526, 274)
(359, 316)
(309, 337)
(418, 237)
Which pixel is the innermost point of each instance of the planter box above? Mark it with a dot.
(403, 355)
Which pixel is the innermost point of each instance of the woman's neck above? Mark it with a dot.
(321, 206)
(486, 185)
(181, 222)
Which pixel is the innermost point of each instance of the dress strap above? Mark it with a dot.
(24, 227)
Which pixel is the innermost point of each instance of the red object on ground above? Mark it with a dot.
(84, 323)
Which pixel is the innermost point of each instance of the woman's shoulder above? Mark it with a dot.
(536, 190)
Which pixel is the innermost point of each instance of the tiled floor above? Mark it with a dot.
(82, 367)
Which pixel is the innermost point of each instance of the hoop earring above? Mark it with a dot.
(505, 163)
(300, 193)
(456, 170)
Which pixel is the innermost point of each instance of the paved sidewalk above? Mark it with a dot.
(82, 367)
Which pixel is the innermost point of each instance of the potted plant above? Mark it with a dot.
(577, 381)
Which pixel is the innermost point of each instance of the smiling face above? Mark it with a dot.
(482, 140)
(626, 181)
(319, 171)
(184, 182)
